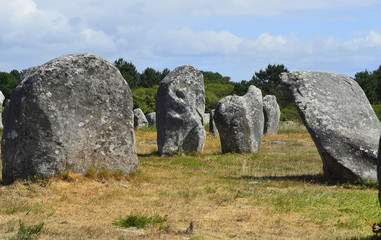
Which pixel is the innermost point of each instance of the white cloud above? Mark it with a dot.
(34, 31)
(94, 40)
(249, 7)
(188, 42)
(329, 54)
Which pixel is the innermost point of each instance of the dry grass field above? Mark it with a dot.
(278, 193)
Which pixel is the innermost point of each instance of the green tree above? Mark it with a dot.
(9, 82)
(164, 73)
(214, 92)
(16, 74)
(370, 82)
(129, 72)
(269, 82)
(145, 98)
(215, 77)
(240, 88)
(149, 78)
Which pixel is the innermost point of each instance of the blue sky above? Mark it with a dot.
(233, 37)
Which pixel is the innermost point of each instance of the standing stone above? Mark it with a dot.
(206, 118)
(72, 113)
(151, 118)
(140, 120)
(341, 122)
(180, 106)
(271, 112)
(240, 121)
(212, 125)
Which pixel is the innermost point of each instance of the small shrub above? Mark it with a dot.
(91, 172)
(140, 221)
(104, 174)
(368, 184)
(27, 232)
(290, 113)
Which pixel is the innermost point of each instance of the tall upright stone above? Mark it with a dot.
(140, 120)
(341, 122)
(240, 120)
(180, 107)
(151, 118)
(271, 113)
(73, 112)
(212, 125)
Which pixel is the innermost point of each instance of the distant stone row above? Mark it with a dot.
(76, 111)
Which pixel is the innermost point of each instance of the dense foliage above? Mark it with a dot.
(269, 82)
(8, 82)
(144, 86)
(370, 82)
(144, 98)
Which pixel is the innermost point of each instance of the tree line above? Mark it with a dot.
(144, 86)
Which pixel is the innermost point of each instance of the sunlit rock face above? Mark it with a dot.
(239, 120)
(180, 108)
(70, 113)
(341, 122)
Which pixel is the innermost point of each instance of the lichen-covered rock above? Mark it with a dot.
(240, 120)
(212, 125)
(341, 122)
(151, 118)
(140, 120)
(271, 112)
(71, 113)
(180, 107)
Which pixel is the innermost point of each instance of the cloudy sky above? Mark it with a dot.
(233, 37)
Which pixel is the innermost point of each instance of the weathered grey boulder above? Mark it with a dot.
(151, 118)
(212, 125)
(71, 113)
(341, 122)
(206, 118)
(240, 121)
(271, 113)
(180, 106)
(140, 120)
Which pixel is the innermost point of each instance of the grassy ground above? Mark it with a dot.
(278, 193)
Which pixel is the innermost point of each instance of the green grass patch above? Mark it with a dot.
(139, 220)
(189, 162)
(147, 129)
(27, 232)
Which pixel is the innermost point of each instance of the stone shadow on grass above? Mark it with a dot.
(373, 237)
(308, 178)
